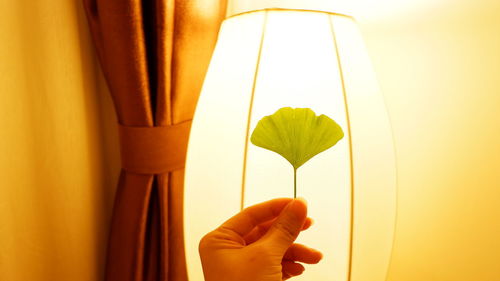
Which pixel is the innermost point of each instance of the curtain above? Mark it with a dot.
(154, 55)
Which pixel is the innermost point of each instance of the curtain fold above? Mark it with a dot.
(154, 55)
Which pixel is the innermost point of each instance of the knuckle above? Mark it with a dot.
(287, 230)
(205, 242)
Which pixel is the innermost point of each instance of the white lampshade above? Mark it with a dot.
(268, 59)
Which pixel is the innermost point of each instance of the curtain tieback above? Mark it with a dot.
(154, 150)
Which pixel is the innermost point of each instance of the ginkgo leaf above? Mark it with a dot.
(297, 134)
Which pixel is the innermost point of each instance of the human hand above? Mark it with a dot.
(258, 244)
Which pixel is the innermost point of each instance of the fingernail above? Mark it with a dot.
(297, 208)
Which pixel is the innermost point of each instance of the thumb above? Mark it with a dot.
(287, 226)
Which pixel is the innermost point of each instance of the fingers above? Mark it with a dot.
(295, 254)
(262, 229)
(307, 224)
(301, 253)
(249, 218)
(290, 269)
(287, 226)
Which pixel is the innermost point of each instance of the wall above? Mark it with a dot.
(439, 69)
(57, 164)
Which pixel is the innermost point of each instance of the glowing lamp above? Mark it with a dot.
(273, 58)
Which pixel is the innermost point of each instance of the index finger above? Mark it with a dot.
(246, 220)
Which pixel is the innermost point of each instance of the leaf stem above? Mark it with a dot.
(294, 183)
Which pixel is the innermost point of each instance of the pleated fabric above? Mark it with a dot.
(154, 55)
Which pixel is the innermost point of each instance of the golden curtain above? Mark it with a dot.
(154, 55)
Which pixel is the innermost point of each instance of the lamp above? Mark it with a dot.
(272, 58)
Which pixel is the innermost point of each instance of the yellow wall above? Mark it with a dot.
(57, 168)
(439, 69)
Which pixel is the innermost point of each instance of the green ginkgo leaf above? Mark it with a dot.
(297, 134)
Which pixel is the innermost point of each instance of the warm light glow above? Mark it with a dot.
(361, 9)
(266, 60)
